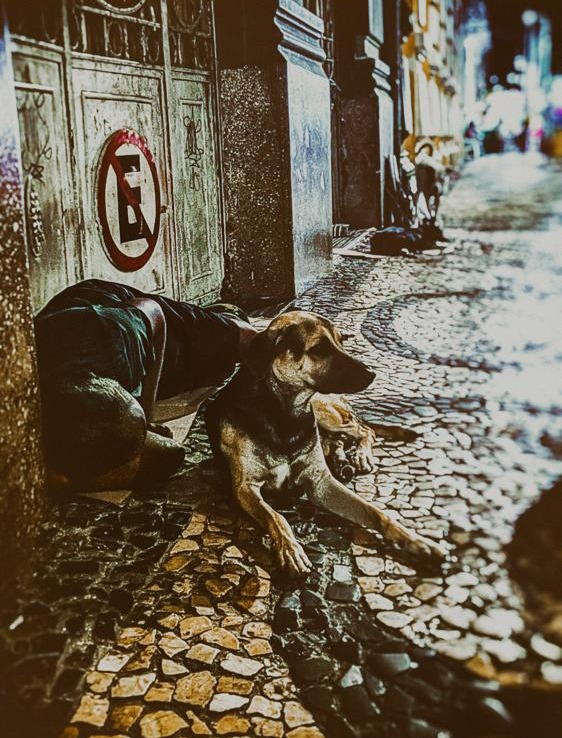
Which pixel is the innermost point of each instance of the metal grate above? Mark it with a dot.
(190, 31)
(43, 24)
(119, 29)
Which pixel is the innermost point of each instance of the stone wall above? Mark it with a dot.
(21, 470)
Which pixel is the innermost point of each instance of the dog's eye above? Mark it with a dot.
(322, 348)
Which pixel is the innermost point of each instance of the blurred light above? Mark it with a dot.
(513, 78)
(529, 17)
(519, 63)
(494, 79)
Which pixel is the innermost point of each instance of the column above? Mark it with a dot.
(275, 110)
(366, 109)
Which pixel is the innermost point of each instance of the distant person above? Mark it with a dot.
(521, 140)
(472, 140)
(493, 142)
(106, 352)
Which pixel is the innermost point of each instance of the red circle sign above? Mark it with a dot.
(128, 200)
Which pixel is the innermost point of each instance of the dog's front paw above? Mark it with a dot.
(364, 460)
(293, 558)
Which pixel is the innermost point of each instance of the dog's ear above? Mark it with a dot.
(260, 353)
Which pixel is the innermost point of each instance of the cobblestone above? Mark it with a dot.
(164, 614)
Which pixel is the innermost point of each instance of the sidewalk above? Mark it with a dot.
(165, 615)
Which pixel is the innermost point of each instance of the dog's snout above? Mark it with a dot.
(364, 377)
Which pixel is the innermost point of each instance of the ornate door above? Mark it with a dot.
(119, 144)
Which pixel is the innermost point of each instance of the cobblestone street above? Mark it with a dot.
(164, 613)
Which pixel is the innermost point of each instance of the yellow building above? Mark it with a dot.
(431, 57)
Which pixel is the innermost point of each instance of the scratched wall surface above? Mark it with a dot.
(308, 92)
(256, 174)
(21, 474)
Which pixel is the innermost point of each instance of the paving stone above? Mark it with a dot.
(357, 705)
(265, 728)
(221, 637)
(427, 591)
(257, 647)
(397, 588)
(224, 702)
(237, 685)
(352, 677)
(370, 565)
(257, 630)
(171, 644)
(390, 664)
(194, 626)
(491, 624)
(342, 573)
(312, 668)
(394, 619)
(241, 666)
(197, 726)
(92, 710)
(99, 682)
(279, 689)
(196, 688)
(113, 662)
(173, 668)
(305, 732)
(460, 649)
(371, 584)
(266, 707)
(378, 602)
(122, 717)
(132, 686)
(203, 653)
(160, 724)
(218, 587)
(160, 692)
(545, 648)
(343, 592)
(232, 725)
(505, 650)
(295, 715)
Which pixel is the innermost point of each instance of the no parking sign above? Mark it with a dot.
(128, 200)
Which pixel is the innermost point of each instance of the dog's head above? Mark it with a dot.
(305, 351)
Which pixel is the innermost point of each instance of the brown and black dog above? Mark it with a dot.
(263, 423)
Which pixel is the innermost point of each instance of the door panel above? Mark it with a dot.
(196, 192)
(110, 98)
(48, 187)
(147, 67)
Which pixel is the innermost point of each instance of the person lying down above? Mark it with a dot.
(106, 353)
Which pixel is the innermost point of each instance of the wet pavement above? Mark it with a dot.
(165, 614)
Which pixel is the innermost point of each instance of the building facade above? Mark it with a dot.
(201, 148)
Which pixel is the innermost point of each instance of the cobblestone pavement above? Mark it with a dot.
(166, 615)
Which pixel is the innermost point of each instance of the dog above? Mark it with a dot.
(263, 424)
(397, 241)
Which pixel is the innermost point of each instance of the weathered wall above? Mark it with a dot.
(21, 472)
(308, 93)
(259, 257)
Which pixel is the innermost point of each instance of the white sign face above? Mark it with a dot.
(129, 200)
